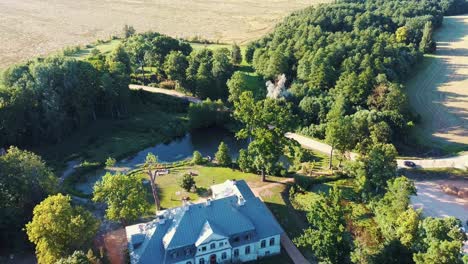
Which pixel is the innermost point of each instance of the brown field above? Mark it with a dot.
(439, 93)
(30, 28)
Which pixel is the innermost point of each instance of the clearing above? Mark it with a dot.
(439, 92)
(31, 28)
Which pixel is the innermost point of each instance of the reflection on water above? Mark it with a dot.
(204, 140)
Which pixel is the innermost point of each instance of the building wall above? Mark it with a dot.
(218, 254)
(245, 257)
(269, 250)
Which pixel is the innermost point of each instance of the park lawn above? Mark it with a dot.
(171, 194)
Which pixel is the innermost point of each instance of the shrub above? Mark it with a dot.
(197, 158)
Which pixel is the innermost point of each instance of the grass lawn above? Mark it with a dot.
(171, 193)
(104, 48)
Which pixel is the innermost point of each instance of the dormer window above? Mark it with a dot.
(187, 251)
(236, 239)
(247, 237)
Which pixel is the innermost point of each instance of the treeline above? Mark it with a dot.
(170, 63)
(46, 99)
(349, 59)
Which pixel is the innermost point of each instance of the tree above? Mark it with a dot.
(427, 45)
(197, 158)
(440, 252)
(222, 155)
(236, 55)
(124, 195)
(128, 31)
(24, 181)
(187, 182)
(373, 170)
(110, 162)
(78, 257)
(58, 228)
(339, 134)
(151, 166)
(243, 161)
(265, 121)
(393, 252)
(393, 214)
(175, 66)
(402, 34)
(327, 235)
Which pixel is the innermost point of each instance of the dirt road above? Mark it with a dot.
(436, 203)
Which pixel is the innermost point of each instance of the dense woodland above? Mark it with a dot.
(346, 62)
(335, 72)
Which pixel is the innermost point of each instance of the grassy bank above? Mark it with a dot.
(155, 119)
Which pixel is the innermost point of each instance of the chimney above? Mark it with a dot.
(241, 201)
(208, 202)
(185, 205)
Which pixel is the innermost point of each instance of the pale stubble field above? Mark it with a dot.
(30, 28)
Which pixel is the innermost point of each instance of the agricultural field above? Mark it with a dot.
(31, 28)
(439, 93)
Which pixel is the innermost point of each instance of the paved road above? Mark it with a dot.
(460, 162)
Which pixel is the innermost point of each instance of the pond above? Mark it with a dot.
(204, 140)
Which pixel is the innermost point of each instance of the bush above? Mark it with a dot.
(197, 158)
(187, 182)
(208, 113)
(170, 85)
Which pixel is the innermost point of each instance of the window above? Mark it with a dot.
(201, 261)
(224, 255)
(263, 244)
(267, 253)
(188, 251)
(272, 241)
(221, 244)
(203, 249)
(247, 237)
(247, 250)
(212, 246)
(236, 239)
(174, 254)
(188, 262)
(236, 252)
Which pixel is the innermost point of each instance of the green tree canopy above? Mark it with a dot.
(327, 235)
(58, 228)
(222, 156)
(24, 181)
(124, 195)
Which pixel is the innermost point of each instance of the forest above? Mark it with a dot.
(333, 72)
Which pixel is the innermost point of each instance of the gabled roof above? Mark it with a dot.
(196, 224)
(209, 233)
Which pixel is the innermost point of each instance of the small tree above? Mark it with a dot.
(78, 257)
(151, 166)
(110, 162)
(128, 31)
(187, 182)
(236, 55)
(222, 156)
(197, 158)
